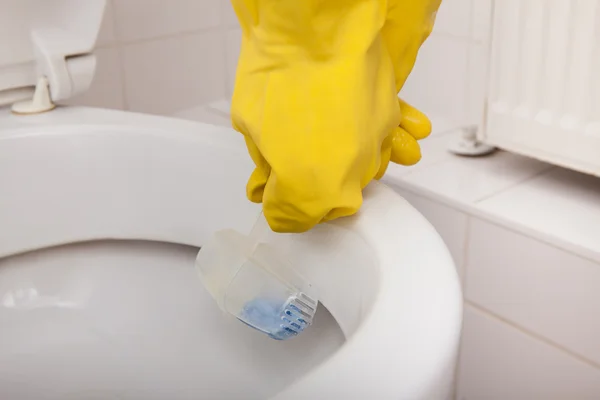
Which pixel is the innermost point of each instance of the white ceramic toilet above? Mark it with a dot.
(102, 214)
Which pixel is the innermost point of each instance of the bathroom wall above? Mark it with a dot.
(450, 74)
(177, 54)
(182, 53)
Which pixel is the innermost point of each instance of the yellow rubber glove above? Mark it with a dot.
(316, 100)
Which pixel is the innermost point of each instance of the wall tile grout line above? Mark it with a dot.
(224, 30)
(168, 36)
(473, 211)
(549, 168)
(469, 82)
(120, 52)
(463, 281)
(460, 38)
(532, 334)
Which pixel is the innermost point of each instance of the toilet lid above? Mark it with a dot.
(38, 37)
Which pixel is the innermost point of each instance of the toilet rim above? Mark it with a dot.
(396, 341)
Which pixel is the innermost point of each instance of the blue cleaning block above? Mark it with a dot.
(272, 317)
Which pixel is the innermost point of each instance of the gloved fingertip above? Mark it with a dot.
(419, 127)
(386, 154)
(405, 149)
(255, 196)
(256, 186)
(413, 121)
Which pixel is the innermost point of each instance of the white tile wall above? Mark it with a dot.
(170, 74)
(146, 19)
(107, 87)
(476, 86)
(232, 51)
(499, 362)
(229, 17)
(571, 211)
(453, 18)
(543, 289)
(437, 83)
(107, 36)
(440, 83)
(160, 56)
(449, 77)
(481, 16)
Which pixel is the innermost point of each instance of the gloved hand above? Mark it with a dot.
(316, 100)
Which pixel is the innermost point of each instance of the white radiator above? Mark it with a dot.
(544, 81)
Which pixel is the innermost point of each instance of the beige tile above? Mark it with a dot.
(481, 17)
(228, 14)
(498, 362)
(468, 180)
(232, 51)
(441, 124)
(543, 289)
(107, 87)
(176, 73)
(450, 223)
(561, 203)
(476, 84)
(438, 81)
(453, 18)
(106, 36)
(144, 19)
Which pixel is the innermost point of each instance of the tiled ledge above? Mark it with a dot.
(550, 204)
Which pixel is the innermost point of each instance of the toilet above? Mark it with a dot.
(102, 213)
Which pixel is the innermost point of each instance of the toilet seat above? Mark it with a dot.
(80, 174)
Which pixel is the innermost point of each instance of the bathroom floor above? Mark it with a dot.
(130, 320)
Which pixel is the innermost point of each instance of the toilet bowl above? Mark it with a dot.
(101, 216)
